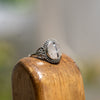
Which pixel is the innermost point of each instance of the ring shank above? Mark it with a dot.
(34, 55)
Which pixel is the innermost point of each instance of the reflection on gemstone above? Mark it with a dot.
(53, 49)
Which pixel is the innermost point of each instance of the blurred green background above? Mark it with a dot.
(26, 24)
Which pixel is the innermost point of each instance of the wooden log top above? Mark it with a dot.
(35, 79)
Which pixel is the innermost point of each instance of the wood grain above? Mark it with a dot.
(34, 79)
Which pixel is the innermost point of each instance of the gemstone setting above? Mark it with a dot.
(50, 52)
(53, 49)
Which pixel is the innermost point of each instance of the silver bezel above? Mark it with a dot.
(45, 45)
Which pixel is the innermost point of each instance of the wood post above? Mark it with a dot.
(34, 79)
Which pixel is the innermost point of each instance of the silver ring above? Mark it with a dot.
(50, 52)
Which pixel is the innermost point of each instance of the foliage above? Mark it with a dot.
(6, 63)
(14, 1)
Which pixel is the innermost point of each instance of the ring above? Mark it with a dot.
(50, 52)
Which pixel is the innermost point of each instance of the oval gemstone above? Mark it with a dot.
(53, 49)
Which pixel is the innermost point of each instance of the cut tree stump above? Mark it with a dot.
(35, 79)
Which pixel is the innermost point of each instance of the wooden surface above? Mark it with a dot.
(35, 79)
